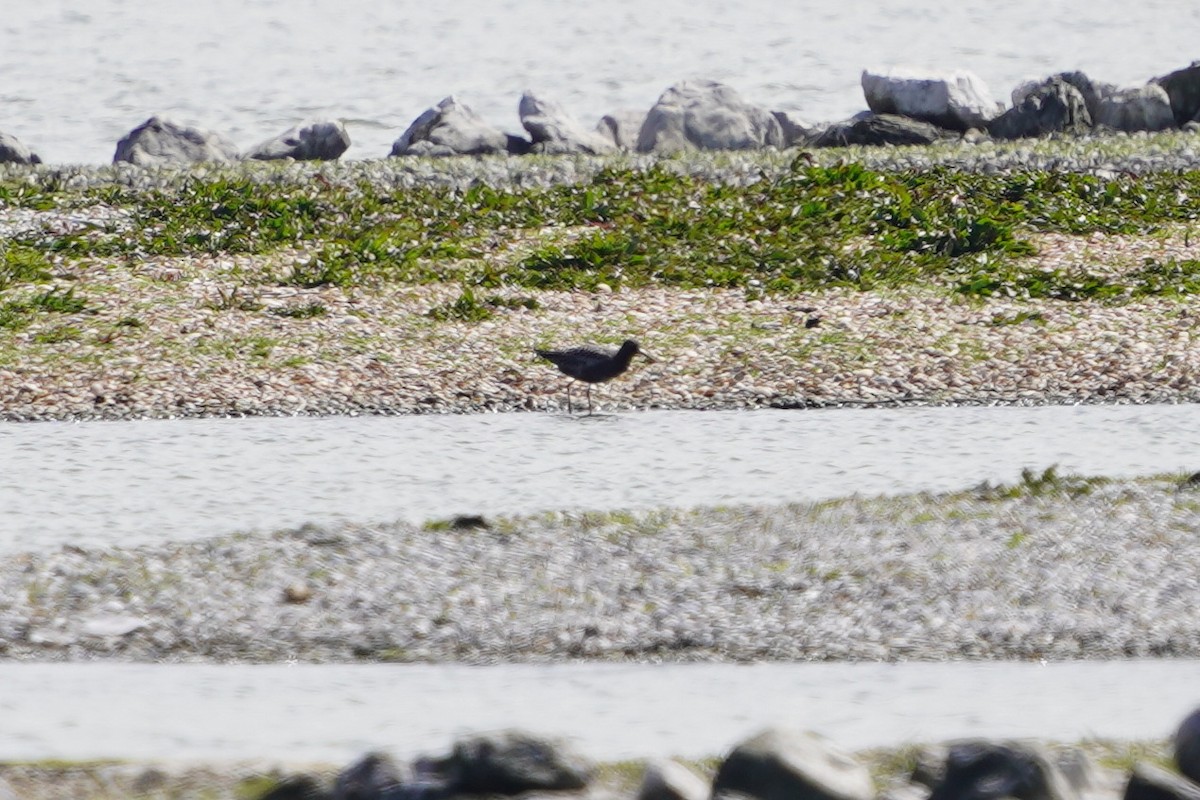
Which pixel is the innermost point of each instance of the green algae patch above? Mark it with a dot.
(796, 227)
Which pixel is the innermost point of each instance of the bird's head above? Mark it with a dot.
(631, 348)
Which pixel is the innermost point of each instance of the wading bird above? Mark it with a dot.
(592, 364)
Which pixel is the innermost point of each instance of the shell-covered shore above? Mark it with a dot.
(1053, 571)
(1049, 568)
(212, 335)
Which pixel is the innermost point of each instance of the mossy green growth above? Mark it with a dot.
(1048, 482)
(20, 264)
(18, 313)
(302, 310)
(796, 228)
(256, 786)
(466, 308)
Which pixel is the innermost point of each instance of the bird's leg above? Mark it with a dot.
(589, 394)
(569, 385)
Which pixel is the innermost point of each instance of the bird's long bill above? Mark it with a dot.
(647, 356)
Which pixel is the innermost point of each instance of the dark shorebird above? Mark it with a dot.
(592, 364)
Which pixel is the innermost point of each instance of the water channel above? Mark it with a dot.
(333, 714)
(120, 484)
(81, 76)
(104, 483)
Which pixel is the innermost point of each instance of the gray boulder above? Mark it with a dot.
(1141, 108)
(1183, 90)
(782, 764)
(904, 791)
(929, 766)
(513, 762)
(957, 101)
(373, 777)
(1092, 91)
(13, 152)
(706, 115)
(308, 141)
(795, 132)
(1187, 746)
(1052, 106)
(1084, 776)
(869, 129)
(450, 128)
(296, 787)
(622, 127)
(670, 780)
(553, 131)
(158, 142)
(980, 769)
(1148, 782)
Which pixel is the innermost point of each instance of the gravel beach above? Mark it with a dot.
(1048, 568)
(214, 335)
(1043, 574)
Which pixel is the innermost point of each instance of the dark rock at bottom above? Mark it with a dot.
(775, 764)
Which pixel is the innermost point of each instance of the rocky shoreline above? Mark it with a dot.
(775, 762)
(904, 107)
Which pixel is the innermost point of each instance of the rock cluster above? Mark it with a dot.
(905, 107)
(12, 151)
(450, 128)
(503, 764)
(775, 764)
(158, 142)
(309, 141)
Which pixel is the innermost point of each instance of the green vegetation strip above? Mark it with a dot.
(801, 229)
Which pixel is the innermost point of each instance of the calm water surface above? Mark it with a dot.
(335, 714)
(76, 77)
(133, 482)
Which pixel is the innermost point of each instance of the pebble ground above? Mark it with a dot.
(211, 336)
(1068, 569)
(1101, 574)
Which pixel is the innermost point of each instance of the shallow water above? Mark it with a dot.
(334, 714)
(103, 483)
(79, 77)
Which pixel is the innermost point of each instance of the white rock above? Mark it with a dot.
(954, 100)
(667, 780)
(161, 141)
(111, 625)
(554, 131)
(450, 128)
(622, 127)
(706, 115)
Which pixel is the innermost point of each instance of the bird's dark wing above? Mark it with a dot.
(577, 361)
